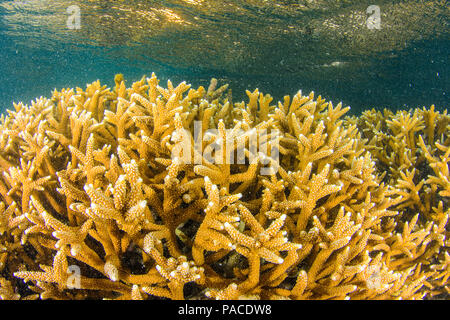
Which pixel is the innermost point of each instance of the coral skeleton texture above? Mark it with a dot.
(93, 204)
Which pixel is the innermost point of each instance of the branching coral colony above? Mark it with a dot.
(94, 205)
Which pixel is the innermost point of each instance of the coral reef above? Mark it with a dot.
(98, 200)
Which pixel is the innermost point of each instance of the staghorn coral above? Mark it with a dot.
(98, 200)
(413, 149)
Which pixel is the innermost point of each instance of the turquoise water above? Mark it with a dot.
(278, 47)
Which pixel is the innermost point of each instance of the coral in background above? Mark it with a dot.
(94, 204)
(412, 149)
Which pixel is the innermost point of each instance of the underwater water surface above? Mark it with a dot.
(279, 47)
(155, 189)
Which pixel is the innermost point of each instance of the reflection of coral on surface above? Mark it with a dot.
(94, 206)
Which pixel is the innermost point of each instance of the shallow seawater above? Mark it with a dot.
(334, 48)
(99, 190)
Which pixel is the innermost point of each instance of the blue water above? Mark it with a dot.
(415, 76)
